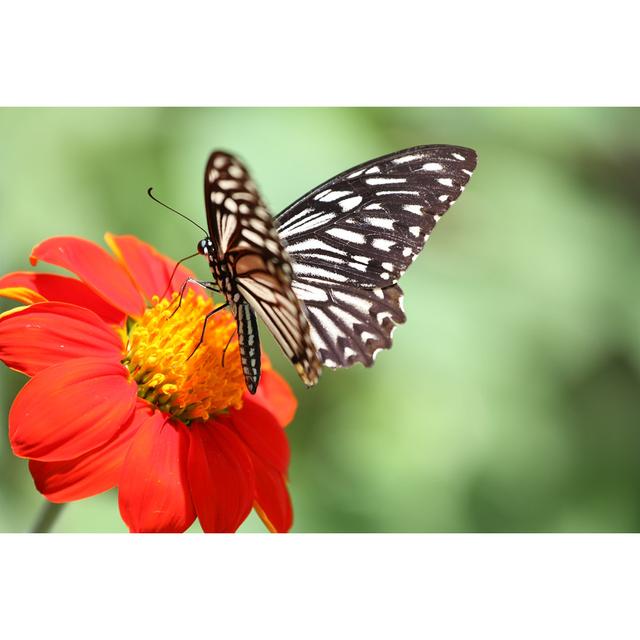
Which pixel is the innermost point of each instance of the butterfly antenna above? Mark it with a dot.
(166, 206)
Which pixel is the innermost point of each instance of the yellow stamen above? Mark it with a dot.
(158, 350)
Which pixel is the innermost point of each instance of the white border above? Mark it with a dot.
(328, 53)
(321, 586)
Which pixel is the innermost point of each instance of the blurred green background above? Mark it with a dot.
(511, 397)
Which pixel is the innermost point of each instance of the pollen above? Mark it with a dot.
(190, 385)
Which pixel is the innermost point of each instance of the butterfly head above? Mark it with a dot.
(204, 246)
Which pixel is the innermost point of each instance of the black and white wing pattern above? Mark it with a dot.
(253, 267)
(354, 236)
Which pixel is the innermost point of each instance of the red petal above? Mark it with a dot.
(40, 287)
(70, 409)
(262, 434)
(273, 503)
(48, 333)
(269, 450)
(94, 266)
(275, 395)
(220, 476)
(92, 473)
(150, 270)
(153, 488)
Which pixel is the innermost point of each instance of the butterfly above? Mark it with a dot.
(323, 274)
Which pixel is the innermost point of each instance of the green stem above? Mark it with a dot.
(47, 516)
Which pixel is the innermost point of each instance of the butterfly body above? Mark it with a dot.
(248, 337)
(323, 274)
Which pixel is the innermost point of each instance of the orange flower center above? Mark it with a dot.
(159, 348)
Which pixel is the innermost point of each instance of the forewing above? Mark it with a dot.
(365, 226)
(248, 244)
(230, 193)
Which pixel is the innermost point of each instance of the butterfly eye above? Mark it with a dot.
(202, 246)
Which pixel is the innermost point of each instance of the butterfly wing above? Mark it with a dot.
(351, 238)
(254, 261)
(352, 324)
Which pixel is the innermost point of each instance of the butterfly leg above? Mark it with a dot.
(224, 353)
(173, 273)
(204, 326)
(211, 286)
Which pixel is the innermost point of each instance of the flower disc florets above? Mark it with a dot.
(159, 348)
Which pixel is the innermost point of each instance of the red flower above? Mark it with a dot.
(113, 399)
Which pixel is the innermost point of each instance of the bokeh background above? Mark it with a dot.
(511, 397)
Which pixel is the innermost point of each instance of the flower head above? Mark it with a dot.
(115, 400)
